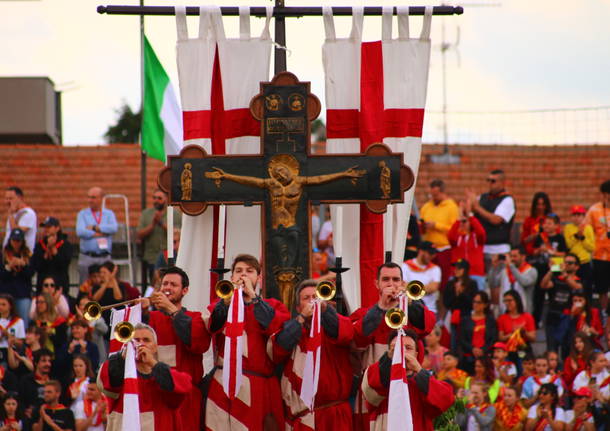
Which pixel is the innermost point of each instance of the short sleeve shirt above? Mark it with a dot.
(508, 324)
(16, 329)
(63, 418)
(26, 217)
(560, 415)
(506, 210)
(157, 240)
(79, 413)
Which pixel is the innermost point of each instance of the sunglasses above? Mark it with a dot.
(491, 180)
(544, 392)
(569, 262)
(48, 284)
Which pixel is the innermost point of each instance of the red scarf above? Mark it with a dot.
(524, 267)
(2, 372)
(88, 407)
(29, 354)
(58, 406)
(545, 239)
(8, 421)
(481, 408)
(415, 267)
(580, 421)
(41, 379)
(58, 321)
(46, 248)
(509, 417)
(12, 323)
(78, 384)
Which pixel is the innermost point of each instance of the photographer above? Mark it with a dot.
(560, 285)
(52, 254)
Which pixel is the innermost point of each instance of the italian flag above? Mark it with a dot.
(161, 115)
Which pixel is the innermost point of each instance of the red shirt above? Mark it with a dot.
(531, 225)
(468, 246)
(478, 334)
(508, 324)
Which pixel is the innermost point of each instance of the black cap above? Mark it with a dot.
(461, 263)
(427, 246)
(17, 235)
(50, 221)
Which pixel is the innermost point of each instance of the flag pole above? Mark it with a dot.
(144, 270)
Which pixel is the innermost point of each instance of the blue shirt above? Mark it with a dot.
(108, 226)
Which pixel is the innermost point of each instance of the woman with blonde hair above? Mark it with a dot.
(46, 317)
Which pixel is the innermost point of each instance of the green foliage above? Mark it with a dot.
(445, 422)
(127, 128)
(318, 130)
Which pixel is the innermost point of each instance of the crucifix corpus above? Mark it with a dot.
(286, 179)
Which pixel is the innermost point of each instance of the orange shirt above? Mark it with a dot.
(599, 218)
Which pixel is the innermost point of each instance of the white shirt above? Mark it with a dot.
(79, 413)
(17, 329)
(26, 217)
(506, 210)
(472, 424)
(429, 275)
(560, 415)
(569, 415)
(325, 231)
(582, 381)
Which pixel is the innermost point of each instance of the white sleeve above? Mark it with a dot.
(512, 370)
(28, 219)
(580, 381)
(531, 414)
(325, 230)
(560, 414)
(568, 416)
(435, 274)
(506, 209)
(19, 329)
(79, 411)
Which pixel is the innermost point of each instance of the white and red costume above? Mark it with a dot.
(181, 342)
(259, 398)
(332, 410)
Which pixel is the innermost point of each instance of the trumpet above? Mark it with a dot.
(395, 318)
(325, 290)
(415, 290)
(224, 288)
(93, 310)
(123, 332)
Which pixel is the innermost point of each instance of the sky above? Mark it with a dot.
(512, 55)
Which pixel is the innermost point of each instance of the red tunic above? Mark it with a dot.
(424, 407)
(371, 347)
(259, 398)
(332, 410)
(508, 324)
(158, 408)
(184, 357)
(468, 247)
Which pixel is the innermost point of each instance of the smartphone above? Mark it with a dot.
(592, 381)
(502, 257)
(556, 263)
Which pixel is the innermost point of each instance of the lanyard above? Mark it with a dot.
(97, 220)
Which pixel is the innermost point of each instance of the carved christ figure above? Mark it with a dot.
(285, 187)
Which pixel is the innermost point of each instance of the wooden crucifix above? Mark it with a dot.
(285, 179)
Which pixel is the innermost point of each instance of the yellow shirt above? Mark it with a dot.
(580, 247)
(443, 215)
(598, 217)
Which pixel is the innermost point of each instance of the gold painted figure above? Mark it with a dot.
(384, 180)
(186, 182)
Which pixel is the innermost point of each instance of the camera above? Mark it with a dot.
(608, 234)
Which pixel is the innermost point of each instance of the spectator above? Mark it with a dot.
(577, 359)
(315, 225)
(552, 358)
(528, 369)
(11, 416)
(47, 318)
(477, 332)
(319, 267)
(434, 350)
(20, 216)
(162, 261)
(598, 216)
(458, 296)
(78, 344)
(560, 286)
(152, 231)
(580, 240)
(585, 318)
(110, 290)
(92, 282)
(52, 254)
(97, 328)
(21, 357)
(515, 323)
(60, 303)
(484, 374)
(533, 384)
(413, 236)
(91, 413)
(479, 414)
(11, 327)
(519, 276)
(52, 415)
(16, 272)
(580, 418)
(546, 413)
(325, 237)
(437, 217)
(496, 212)
(532, 225)
(506, 371)
(81, 374)
(422, 269)
(94, 226)
(595, 378)
(510, 414)
(467, 238)
(30, 385)
(450, 370)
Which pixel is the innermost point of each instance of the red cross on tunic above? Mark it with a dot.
(371, 124)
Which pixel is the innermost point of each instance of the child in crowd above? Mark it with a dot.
(533, 383)
(480, 413)
(527, 363)
(450, 370)
(510, 414)
(580, 418)
(577, 359)
(506, 371)
(595, 378)
(434, 350)
(546, 415)
(11, 327)
(11, 418)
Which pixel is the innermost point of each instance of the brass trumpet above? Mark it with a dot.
(93, 310)
(123, 332)
(325, 290)
(224, 288)
(415, 290)
(395, 318)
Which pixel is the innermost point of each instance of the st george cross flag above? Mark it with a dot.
(161, 114)
(311, 371)
(234, 345)
(375, 92)
(399, 403)
(218, 77)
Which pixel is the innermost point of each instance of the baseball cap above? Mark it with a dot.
(17, 235)
(577, 209)
(461, 263)
(427, 246)
(583, 392)
(50, 221)
(501, 346)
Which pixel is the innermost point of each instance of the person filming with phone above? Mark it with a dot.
(560, 282)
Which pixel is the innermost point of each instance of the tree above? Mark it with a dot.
(127, 127)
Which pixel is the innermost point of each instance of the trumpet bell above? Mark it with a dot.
(123, 332)
(325, 290)
(395, 318)
(92, 310)
(224, 289)
(415, 290)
